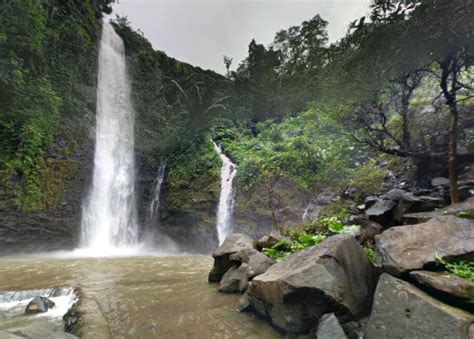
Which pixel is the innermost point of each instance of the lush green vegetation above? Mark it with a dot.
(283, 248)
(193, 175)
(297, 239)
(463, 269)
(299, 116)
(47, 58)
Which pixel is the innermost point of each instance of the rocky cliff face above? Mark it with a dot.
(57, 226)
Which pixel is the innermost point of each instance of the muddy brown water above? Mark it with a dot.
(140, 297)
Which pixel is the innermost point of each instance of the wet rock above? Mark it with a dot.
(445, 282)
(222, 263)
(235, 279)
(401, 310)
(244, 302)
(406, 248)
(257, 262)
(39, 305)
(40, 329)
(466, 207)
(334, 276)
(71, 320)
(356, 220)
(370, 229)
(329, 328)
(439, 181)
(382, 212)
(268, 241)
(370, 201)
(396, 194)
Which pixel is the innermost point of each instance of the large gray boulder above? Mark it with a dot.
(334, 276)
(232, 244)
(329, 328)
(402, 311)
(466, 207)
(382, 212)
(235, 279)
(406, 248)
(257, 262)
(445, 282)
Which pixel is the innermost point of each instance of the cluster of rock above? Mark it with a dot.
(332, 290)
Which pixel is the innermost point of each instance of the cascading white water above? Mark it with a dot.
(154, 207)
(109, 215)
(226, 198)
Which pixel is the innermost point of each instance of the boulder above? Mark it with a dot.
(232, 244)
(401, 311)
(269, 240)
(329, 328)
(39, 305)
(244, 302)
(382, 212)
(257, 262)
(439, 181)
(466, 207)
(396, 194)
(235, 279)
(406, 248)
(445, 282)
(370, 229)
(333, 276)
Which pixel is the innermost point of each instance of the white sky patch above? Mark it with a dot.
(202, 31)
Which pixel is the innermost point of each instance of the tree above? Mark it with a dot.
(227, 63)
(393, 46)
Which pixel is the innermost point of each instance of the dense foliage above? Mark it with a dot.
(47, 60)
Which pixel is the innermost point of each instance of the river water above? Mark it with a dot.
(140, 297)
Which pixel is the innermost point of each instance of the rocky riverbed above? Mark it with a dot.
(332, 290)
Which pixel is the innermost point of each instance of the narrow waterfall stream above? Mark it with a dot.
(109, 215)
(226, 198)
(153, 214)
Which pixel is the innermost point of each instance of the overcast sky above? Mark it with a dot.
(200, 32)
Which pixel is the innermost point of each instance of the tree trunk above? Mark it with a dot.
(449, 67)
(452, 162)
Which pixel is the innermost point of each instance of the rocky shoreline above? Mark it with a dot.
(333, 290)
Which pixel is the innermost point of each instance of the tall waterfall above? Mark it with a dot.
(226, 199)
(108, 215)
(153, 215)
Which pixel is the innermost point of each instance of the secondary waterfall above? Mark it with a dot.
(153, 216)
(226, 198)
(109, 215)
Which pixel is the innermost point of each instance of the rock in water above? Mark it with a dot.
(235, 279)
(407, 248)
(232, 244)
(39, 305)
(334, 276)
(244, 302)
(403, 311)
(329, 328)
(445, 282)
